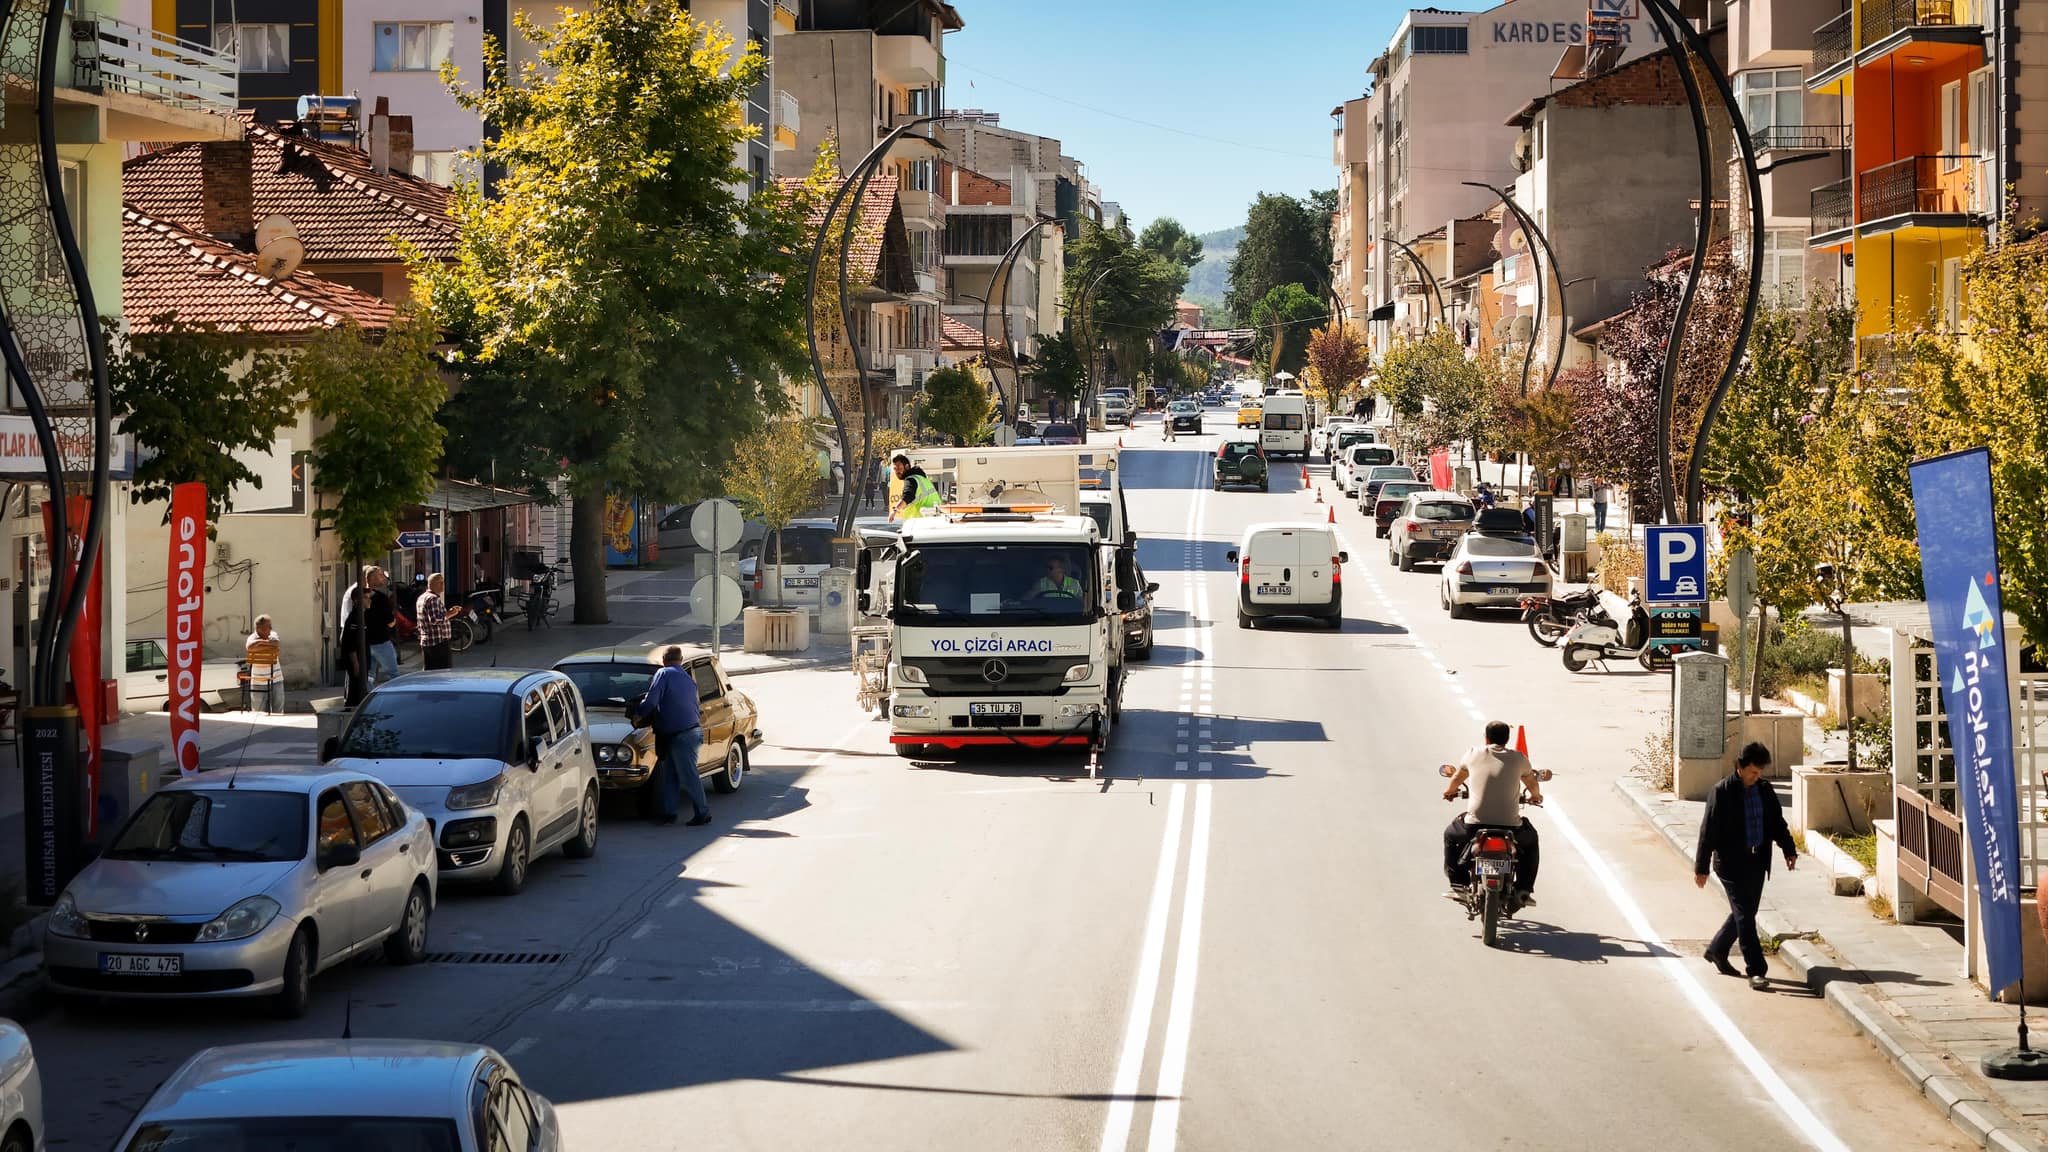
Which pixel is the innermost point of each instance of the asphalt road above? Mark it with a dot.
(1234, 939)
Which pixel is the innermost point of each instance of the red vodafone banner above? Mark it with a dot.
(184, 616)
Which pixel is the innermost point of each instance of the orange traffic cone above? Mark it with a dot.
(1522, 740)
(1119, 441)
(1319, 493)
(1333, 513)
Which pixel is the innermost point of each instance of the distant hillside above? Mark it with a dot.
(1208, 280)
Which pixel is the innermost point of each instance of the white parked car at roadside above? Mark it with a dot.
(21, 1092)
(499, 759)
(1486, 571)
(359, 1095)
(246, 883)
(1320, 439)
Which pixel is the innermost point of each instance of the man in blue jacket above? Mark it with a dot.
(1743, 822)
(670, 708)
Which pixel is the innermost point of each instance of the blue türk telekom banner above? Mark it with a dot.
(1959, 563)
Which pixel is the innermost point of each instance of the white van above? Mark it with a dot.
(1290, 570)
(1284, 429)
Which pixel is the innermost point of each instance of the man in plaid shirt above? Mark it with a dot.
(433, 624)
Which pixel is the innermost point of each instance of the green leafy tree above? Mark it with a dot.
(1284, 243)
(1282, 320)
(1322, 207)
(1132, 297)
(1167, 239)
(1798, 361)
(773, 477)
(1441, 395)
(626, 306)
(1059, 367)
(195, 396)
(955, 405)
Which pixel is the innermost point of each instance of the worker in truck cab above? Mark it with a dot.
(917, 492)
(1056, 581)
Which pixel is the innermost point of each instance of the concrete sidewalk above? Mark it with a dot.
(1901, 985)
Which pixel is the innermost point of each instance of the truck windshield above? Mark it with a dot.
(996, 584)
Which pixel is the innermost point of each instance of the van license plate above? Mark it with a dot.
(1005, 708)
(799, 581)
(1275, 590)
(132, 964)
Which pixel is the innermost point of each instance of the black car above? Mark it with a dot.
(1137, 614)
(1186, 416)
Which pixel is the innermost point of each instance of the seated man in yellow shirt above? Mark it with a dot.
(1056, 582)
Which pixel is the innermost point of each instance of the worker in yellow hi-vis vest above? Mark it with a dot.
(915, 491)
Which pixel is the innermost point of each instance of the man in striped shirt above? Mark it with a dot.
(434, 629)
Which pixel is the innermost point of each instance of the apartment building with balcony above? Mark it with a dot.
(1945, 100)
(1801, 136)
(859, 69)
(117, 85)
(393, 50)
(1435, 117)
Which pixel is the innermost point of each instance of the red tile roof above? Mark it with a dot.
(345, 212)
(961, 336)
(863, 266)
(166, 269)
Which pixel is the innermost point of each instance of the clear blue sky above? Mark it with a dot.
(1263, 73)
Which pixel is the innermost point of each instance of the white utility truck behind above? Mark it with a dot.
(1005, 605)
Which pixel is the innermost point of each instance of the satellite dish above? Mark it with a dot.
(280, 258)
(273, 228)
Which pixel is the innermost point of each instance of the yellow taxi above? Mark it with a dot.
(1250, 416)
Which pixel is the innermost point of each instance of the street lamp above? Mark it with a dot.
(1530, 226)
(1834, 592)
(862, 171)
(1428, 277)
(1003, 270)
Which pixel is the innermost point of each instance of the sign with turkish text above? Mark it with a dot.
(185, 620)
(21, 453)
(1959, 565)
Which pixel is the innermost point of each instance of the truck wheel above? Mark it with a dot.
(909, 751)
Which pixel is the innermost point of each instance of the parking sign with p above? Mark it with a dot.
(1677, 563)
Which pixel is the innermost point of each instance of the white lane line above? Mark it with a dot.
(567, 1002)
(609, 965)
(614, 1004)
(1116, 1127)
(1802, 1117)
(1180, 1013)
(520, 1045)
(644, 930)
(1180, 765)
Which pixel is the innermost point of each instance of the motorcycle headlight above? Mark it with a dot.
(245, 919)
(482, 794)
(1078, 673)
(65, 919)
(910, 673)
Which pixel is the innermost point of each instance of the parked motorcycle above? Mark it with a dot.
(1490, 855)
(1590, 640)
(1550, 617)
(483, 611)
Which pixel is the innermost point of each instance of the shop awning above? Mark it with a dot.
(1383, 312)
(461, 496)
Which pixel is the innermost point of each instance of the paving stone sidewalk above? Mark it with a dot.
(1902, 985)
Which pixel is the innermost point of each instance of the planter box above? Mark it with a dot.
(775, 630)
(1872, 694)
(1847, 802)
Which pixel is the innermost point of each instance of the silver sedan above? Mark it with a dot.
(246, 884)
(1492, 571)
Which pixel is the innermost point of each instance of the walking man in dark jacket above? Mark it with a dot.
(1742, 823)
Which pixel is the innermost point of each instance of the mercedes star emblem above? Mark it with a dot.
(995, 671)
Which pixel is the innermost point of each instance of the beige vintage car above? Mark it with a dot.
(614, 679)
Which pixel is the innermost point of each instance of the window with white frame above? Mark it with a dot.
(1983, 129)
(1784, 274)
(1951, 126)
(412, 47)
(1773, 104)
(256, 47)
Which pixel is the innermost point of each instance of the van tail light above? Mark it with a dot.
(1336, 569)
(1244, 571)
(1493, 844)
(1465, 568)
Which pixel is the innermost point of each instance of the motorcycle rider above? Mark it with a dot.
(1498, 775)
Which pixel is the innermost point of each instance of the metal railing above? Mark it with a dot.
(787, 113)
(1833, 42)
(1831, 207)
(1881, 18)
(1802, 137)
(1930, 848)
(1915, 184)
(114, 56)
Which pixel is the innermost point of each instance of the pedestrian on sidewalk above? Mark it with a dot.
(1743, 822)
(1601, 494)
(670, 707)
(434, 629)
(266, 674)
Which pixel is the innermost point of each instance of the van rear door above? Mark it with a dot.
(1315, 569)
(1275, 555)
